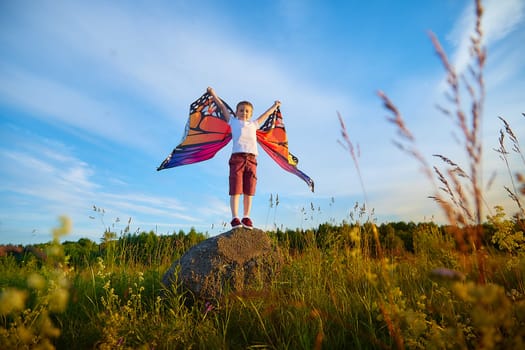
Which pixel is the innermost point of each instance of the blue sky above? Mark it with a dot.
(95, 94)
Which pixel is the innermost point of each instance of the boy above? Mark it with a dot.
(243, 161)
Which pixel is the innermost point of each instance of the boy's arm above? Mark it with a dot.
(219, 102)
(268, 112)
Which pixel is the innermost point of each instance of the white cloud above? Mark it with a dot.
(63, 106)
(43, 179)
(499, 19)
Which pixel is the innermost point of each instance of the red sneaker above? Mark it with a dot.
(247, 223)
(236, 223)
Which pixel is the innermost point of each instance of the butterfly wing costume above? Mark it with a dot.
(207, 132)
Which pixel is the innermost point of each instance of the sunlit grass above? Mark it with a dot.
(335, 291)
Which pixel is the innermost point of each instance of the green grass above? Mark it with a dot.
(333, 294)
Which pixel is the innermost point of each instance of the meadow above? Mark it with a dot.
(353, 285)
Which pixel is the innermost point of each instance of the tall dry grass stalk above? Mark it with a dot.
(458, 192)
(518, 179)
(349, 146)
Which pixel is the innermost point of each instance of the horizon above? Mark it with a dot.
(94, 96)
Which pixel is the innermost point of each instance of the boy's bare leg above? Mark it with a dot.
(247, 202)
(234, 205)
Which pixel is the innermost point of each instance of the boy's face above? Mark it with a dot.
(244, 112)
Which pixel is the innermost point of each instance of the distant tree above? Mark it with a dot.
(390, 240)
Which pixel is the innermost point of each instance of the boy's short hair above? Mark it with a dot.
(246, 103)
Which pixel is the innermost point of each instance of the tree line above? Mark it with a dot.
(149, 248)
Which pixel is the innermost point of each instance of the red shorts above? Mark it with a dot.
(243, 173)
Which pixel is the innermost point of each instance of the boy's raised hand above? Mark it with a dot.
(219, 102)
(213, 94)
(211, 91)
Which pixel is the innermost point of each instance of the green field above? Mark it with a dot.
(357, 286)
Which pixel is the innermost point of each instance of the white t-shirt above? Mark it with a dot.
(244, 135)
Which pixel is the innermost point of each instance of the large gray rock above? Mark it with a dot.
(237, 260)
